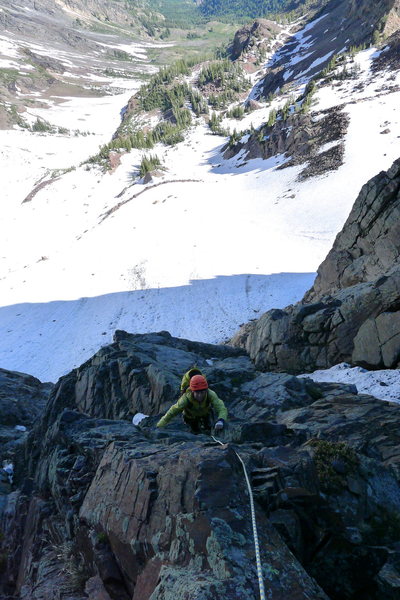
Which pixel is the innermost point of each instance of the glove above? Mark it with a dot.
(219, 425)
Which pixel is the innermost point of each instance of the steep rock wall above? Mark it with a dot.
(103, 509)
(352, 312)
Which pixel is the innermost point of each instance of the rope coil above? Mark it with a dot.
(253, 520)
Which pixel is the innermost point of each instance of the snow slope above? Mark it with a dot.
(207, 246)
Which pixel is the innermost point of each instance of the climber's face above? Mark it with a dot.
(199, 395)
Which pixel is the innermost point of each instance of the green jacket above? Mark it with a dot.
(193, 410)
(186, 378)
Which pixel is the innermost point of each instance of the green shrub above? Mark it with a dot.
(140, 139)
(224, 74)
(215, 125)
(198, 102)
(326, 453)
(167, 133)
(272, 118)
(237, 112)
(149, 163)
(41, 125)
(102, 538)
(234, 138)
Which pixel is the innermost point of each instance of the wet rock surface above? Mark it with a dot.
(352, 312)
(100, 508)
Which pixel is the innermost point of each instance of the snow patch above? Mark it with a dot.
(383, 384)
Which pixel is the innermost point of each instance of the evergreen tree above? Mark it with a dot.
(272, 118)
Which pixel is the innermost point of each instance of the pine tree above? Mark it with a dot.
(272, 118)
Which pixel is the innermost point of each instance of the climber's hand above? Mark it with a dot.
(219, 425)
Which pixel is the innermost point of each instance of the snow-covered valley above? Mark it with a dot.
(205, 247)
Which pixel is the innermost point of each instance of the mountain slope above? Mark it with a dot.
(197, 250)
(92, 46)
(339, 26)
(255, 8)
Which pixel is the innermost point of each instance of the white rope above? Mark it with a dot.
(253, 520)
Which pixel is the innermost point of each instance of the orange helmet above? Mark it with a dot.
(198, 382)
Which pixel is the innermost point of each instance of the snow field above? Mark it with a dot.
(196, 258)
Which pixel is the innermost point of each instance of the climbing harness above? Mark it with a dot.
(253, 520)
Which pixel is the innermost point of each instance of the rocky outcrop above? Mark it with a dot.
(368, 246)
(101, 508)
(391, 23)
(69, 10)
(301, 139)
(389, 57)
(22, 400)
(253, 36)
(352, 313)
(103, 10)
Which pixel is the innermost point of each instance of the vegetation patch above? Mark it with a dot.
(43, 126)
(175, 101)
(222, 81)
(102, 537)
(237, 112)
(333, 461)
(150, 163)
(74, 567)
(245, 10)
(179, 13)
(8, 76)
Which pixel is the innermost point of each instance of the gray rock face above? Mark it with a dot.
(107, 510)
(351, 313)
(368, 246)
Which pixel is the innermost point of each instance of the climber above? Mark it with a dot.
(198, 405)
